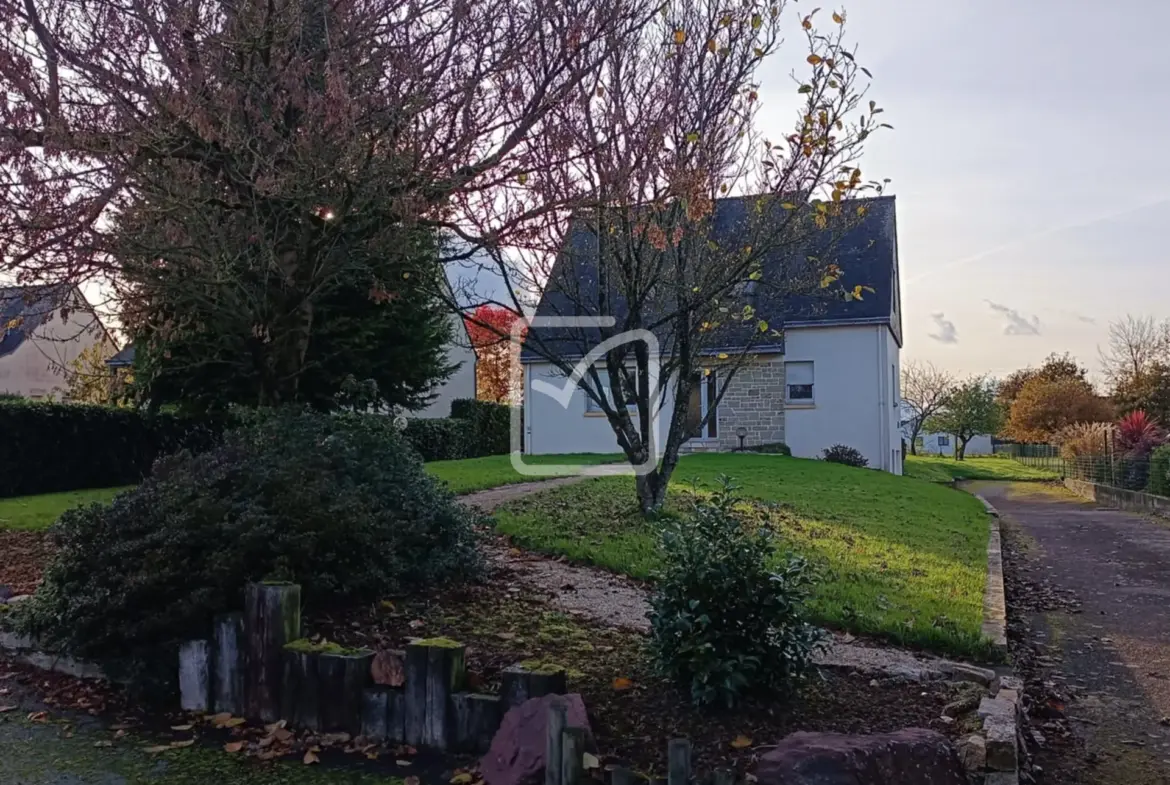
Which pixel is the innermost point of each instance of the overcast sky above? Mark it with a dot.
(1029, 163)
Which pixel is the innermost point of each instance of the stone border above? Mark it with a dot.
(994, 601)
(25, 650)
(1130, 501)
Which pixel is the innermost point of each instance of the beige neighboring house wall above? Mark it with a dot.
(36, 367)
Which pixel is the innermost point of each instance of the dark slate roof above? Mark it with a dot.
(866, 251)
(123, 358)
(26, 308)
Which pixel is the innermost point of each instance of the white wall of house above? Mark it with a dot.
(855, 399)
(931, 444)
(461, 384)
(37, 369)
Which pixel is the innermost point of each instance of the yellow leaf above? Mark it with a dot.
(756, 275)
(181, 727)
(723, 188)
(763, 326)
(522, 178)
(807, 23)
(814, 60)
(861, 211)
(857, 292)
(178, 745)
(788, 206)
(725, 20)
(741, 742)
(757, 20)
(621, 684)
(157, 748)
(233, 746)
(462, 778)
(680, 36)
(233, 722)
(310, 757)
(838, 18)
(820, 220)
(722, 355)
(711, 45)
(387, 605)
(692, 137)
(758, 52)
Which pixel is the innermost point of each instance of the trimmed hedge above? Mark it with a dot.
(492, 422)
(441, 438)
(52, 447)
(1160, 471)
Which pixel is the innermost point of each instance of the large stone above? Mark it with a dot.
(973, 753)
(1002, 754)
(908, 757)
(516, 755)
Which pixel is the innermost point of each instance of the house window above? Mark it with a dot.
(798, 379)
(894, 385)
(944, 441)
(630, 398)
(704, 392)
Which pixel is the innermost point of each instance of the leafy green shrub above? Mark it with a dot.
(337, 503)
(492, 422)
(849, 456)
(771, 448)
(51, 447)
(726, 618)
(441, 438)
(1160, 471)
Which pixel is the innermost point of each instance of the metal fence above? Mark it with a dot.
(1132, 474)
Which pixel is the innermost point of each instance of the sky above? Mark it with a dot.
(1029, 164)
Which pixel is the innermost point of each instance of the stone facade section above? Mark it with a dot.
(755, 401)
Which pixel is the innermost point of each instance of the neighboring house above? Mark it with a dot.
(831, 379)
(42, 331)
(944, 444)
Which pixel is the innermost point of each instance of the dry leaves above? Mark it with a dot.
(621, 684)
(741, 742)
(234, 746)
(182, 727)
(12, 707)
(311, 756)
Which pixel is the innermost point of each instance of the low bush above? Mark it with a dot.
(849, 456)
(54, 447)
(771, 448)
(337, 503)
(1159, 482)
(441, 438)
(492, 423)
(726, 620)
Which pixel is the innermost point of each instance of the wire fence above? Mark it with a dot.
(1131, 474)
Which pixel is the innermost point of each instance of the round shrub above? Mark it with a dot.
(339, 504)
(728, 613)
(849, 456)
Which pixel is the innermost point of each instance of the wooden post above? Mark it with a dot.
(546, 680)
(623, 776)
(486, 716)
(375, 713)
(572, 755)
(445, 674)
(195, 675)
(557, 720)
(272, 618)
(724, 777)
(396, 717)
(342, 678)
(514, 686)
(678, 762)
(415, 716)
(301, 690)
(228, 688)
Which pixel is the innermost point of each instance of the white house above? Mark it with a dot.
(43, 329)
(831, 379)
(944, 444)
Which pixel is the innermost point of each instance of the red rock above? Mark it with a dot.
(516, 756)
(387, 669)
(907, 757)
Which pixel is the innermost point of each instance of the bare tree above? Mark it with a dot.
(925, 392)
(1135, 343)
(297, 138)
(662, 134)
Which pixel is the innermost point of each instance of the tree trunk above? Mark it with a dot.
(914, 439)
(652, 489)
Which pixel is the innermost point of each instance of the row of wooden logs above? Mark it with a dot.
(256, 666)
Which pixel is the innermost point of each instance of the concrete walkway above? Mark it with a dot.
(1109, 652)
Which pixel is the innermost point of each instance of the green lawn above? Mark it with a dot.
(37, 512)
(474, 474)
(937, 468)
(899, 558)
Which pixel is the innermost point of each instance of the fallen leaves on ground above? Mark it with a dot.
(311, 757)
(621, 684)
(741, 742)
(234, 746)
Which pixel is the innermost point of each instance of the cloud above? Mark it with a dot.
(1086, 319)
(1016, 323)
(946, 329)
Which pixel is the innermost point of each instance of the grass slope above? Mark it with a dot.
(898, 558)
(937, 468)
(476, 474)
(37, 512)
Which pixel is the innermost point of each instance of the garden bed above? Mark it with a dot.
(633, 712)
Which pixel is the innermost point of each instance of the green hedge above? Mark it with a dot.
(51, 447)
(1160, 471)
(441, 438)
(492, 423)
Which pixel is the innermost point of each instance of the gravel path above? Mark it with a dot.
(617, 601)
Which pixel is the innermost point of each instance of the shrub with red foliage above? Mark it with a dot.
(1138, 434)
